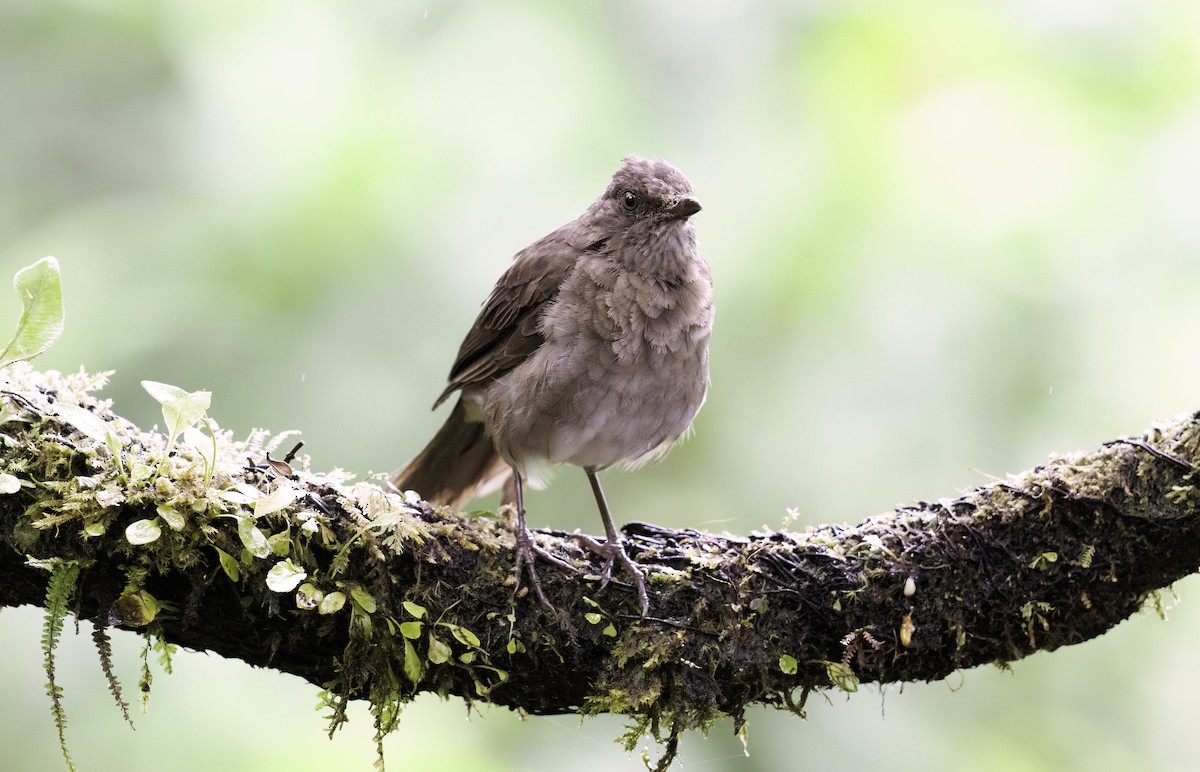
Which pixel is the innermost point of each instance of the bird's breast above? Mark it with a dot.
(622, 372)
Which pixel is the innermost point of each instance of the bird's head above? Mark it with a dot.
(649, 190)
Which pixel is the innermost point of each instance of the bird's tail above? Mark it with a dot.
(460, 463)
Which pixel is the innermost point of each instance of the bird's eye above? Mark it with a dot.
(630, 200)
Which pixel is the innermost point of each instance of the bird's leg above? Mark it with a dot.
(527, 550)
(525, 557)
(613, 549)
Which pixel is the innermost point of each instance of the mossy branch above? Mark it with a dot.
(370, 594)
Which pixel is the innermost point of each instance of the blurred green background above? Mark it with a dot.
(948, 238)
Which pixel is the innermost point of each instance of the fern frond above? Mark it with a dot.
(336, 702)
(59, 591)
(104, 650)
(379, 765)
(166, 651)
(146, 678)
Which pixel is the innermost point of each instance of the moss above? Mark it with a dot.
(94, 485)
(213, 542)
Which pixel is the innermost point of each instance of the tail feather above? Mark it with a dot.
(460, 463)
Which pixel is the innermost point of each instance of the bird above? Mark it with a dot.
(591, 351)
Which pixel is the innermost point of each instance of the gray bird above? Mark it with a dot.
(591, 350)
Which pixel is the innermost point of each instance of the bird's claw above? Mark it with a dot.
(614, 552)
(606, 572)
(527, 552)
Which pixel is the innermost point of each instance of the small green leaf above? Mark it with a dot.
(114, 446)
(501, 674)
(285, 576)
(332, 603)
(228, 564)
(308, 597)
(94, 529)
(511, 646)
(363, 620)
(172, 517)
(1042, 561)
(180, 408)
(438, 651)
(143, 532)
(842, 676)
(278, 499)
(240, 494)
(467, 657)
(610, 630)
(280, 543)
(84, 421)
(363, 599)
(788, 664)
(593, 617)
(416, 610)
(252, 538)
(40, 288)
(464, 636)
(411, 630)
(412, 662)
(204, 444)
(9, 483)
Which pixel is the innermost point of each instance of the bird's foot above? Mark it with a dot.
(527, 553)
(613, 551)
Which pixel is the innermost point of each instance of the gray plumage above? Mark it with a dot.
(591, 350)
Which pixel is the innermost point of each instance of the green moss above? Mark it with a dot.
(383, 596)
(83, 470)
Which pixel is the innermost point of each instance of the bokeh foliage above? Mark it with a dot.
(947, 238)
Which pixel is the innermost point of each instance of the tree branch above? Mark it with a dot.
(1053, 556)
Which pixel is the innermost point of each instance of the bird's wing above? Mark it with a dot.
(508, 330)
